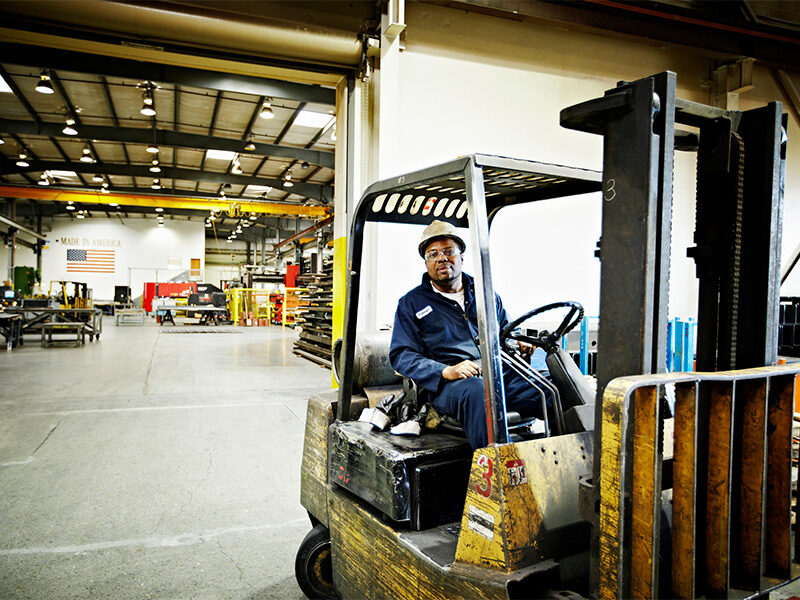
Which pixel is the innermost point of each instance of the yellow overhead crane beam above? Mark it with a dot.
(229, 206)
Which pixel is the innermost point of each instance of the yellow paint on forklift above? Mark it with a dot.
(501, 519)
(610, 473)
(339, 289)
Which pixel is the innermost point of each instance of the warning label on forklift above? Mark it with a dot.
(481, 522)
(517, 473)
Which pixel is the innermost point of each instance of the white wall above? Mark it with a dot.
(472, 83)
(142, 251)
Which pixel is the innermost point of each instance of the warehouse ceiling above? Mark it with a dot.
(81, 122)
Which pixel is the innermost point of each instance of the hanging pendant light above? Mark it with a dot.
(23, 160)
(69, 128)
(266, 110)
(44, 86)
(86, 156)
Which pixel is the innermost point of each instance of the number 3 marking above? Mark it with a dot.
(611, 193)
(485, 490)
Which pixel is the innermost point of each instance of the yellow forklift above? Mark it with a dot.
(659, 485)
(71, 294)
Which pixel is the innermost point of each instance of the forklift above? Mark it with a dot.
(71, 294)
(656, 485)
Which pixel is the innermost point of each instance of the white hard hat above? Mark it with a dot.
(439, 229)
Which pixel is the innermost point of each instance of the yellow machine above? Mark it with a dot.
(71, 294)
(660, 485)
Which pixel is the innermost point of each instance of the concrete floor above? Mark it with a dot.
(149, 465)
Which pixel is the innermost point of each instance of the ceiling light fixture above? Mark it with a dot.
(229, 241)
(266, 110)
(86, 157)
(69, 128)
(250, 146)
(287, 179)
(70, 207)
(23, 160)
(156, 184)
(2, 140)
(212, 218)
(236, 169)
(305, 165)
(97, 178)
(208, 224)
(105, 184)
(152, 149)
(80, 215)
(159, 209)
(155, 168)
(44, 86)
(113, 204)
(104, 190)
(253, 216)
(148, 103)
(44, 179)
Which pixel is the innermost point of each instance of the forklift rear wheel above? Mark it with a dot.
(313, 567)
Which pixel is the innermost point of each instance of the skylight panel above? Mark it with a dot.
(310, 118)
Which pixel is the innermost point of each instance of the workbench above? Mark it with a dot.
(34, 317)
(75, 328)
(134, 316)
(11, 329)
(209, 314)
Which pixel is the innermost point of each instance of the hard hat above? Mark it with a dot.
(439, 229)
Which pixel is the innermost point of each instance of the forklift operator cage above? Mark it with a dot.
(466, 192)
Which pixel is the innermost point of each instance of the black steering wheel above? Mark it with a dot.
(545, 339)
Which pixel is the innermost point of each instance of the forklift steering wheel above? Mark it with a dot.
(545, 339)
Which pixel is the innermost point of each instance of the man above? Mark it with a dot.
(435, 333)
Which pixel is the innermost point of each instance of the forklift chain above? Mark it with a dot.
(734, 267)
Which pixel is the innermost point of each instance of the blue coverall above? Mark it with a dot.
(432, 332)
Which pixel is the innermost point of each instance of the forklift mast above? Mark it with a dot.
(740, 174)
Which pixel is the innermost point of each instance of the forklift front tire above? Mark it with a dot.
(312, 567)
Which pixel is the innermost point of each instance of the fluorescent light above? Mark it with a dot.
(309, 118)
(255, 190)
(4, 87)
(220, 154)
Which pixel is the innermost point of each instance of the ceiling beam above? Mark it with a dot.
(82, 62)
(246, 206)
(166, 137)
(305, 232)
(717, 32)
(21, 228)
(309, 190)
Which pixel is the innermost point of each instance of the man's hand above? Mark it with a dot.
(525, 349)
(463, 370)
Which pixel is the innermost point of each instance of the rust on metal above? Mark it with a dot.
(751, 408)
(719, 489)
(644, 493)
(611, 504)
(684, 491)
(779, 482)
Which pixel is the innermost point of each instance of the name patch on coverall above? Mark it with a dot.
(425, 311)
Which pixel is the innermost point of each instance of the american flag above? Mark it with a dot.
(90, 261)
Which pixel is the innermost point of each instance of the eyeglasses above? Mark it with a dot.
(432, 255)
